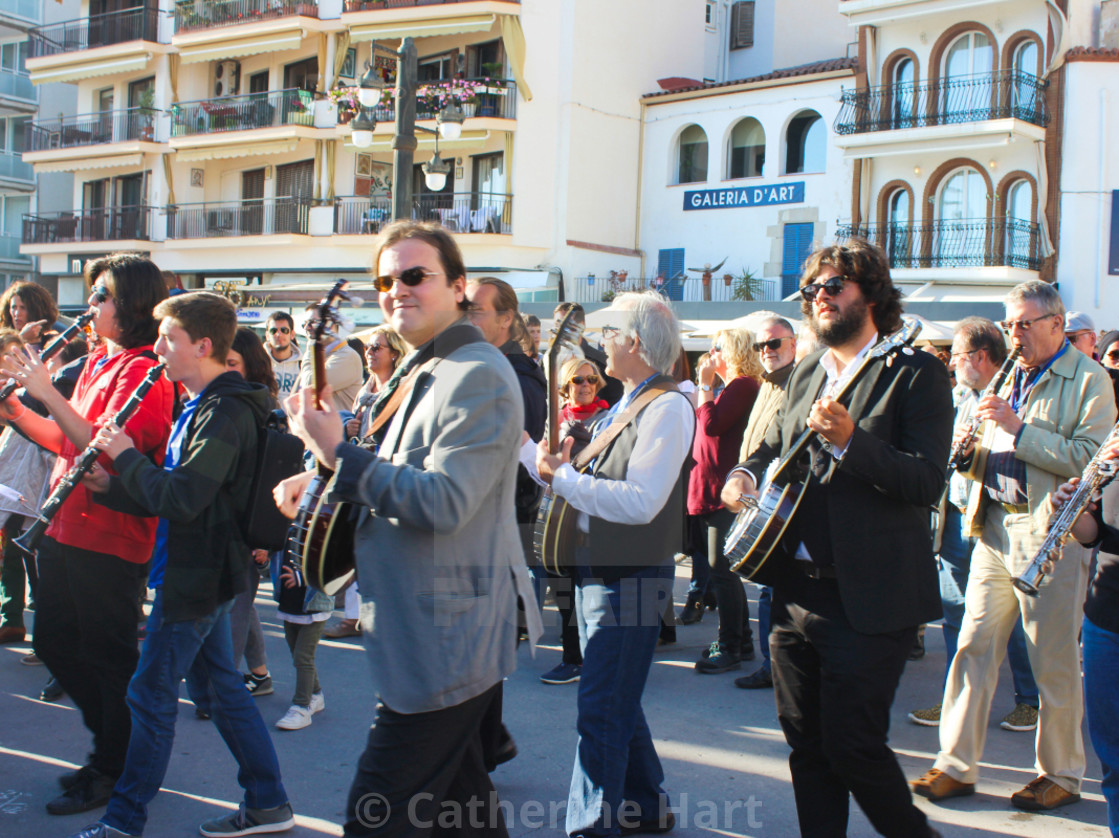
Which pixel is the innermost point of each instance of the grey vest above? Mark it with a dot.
(618, 550)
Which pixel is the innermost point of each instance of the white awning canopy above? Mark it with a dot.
(219, 152)
(422, 28)
(77, 164)
(214, 50)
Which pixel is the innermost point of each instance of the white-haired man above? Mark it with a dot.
(630, 523)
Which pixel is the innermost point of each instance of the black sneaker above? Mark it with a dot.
(691, 613)
(92, 789)
(717, 660)
(258, 685)
(52, 691)
(247, 821)
(759, 679)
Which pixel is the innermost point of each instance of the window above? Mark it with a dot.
(967, 92)
(898, 234)
(742, 25)
(805, 144)
(747, 149)
(962, 234)
(437, 67)
(18, 133)
(709, 13)
(1024, 99)
(693, 156)
(796, 248)
(902, 79)
(303, 75)
(1019, 228)
(970, 54)
(963, 196)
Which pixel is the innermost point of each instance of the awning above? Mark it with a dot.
(78, 70)
(77, 164)
(213, 50)
(422, 28)
(514, 39)
(219, 152)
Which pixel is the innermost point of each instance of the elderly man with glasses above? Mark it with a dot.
(1041, 432)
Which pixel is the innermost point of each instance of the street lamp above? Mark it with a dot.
(449, 121)
(370, 88)
(436, 171)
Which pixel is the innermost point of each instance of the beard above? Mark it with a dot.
(844, 326)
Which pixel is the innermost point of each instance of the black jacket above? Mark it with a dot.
(613, 390)
(534, 392)
(203, 497)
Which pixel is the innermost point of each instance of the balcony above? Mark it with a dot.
(229, 219)
(133, 124)
(27, 10)
(13, 168)
(495, 98)
(373, 5)
(243, 113)
(460, 212)
(126, 223)
(9, 249)
(954, 113)
(191, 16)
(110, 44)
(885, 12)
(968, 243)
(17, 94)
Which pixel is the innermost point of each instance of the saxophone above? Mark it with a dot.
(992, 389)
(1097, 474)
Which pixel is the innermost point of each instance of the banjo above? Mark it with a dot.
(760, 526)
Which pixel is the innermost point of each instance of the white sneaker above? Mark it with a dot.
(295, 718)
(318, 703)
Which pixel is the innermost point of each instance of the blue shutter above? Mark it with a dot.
(798, 247)
(670, 265)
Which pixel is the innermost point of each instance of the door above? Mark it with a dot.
(295, 187)
(141, 115)
(95, 195)
(252, 203)
(968, 89)
(128, 209)
(488, 210)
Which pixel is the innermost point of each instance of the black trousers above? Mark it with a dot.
(423, 774)
(735, 634)
(85, 633)
(834, 687)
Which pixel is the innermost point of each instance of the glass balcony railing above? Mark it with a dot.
(30, 10)
(92, 225)
(243, 113)
(15, 86)
(966, 243)
(13, 168)
(92, 129)
(190, 15)
(137, 24)
(9, 249)
(949, 101)
(251, 217)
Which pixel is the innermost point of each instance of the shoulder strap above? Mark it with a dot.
(621, 420)
(395, 400)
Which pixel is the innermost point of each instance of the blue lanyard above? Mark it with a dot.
(1027, 383)
(622, 404)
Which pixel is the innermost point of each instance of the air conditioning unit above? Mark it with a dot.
(227, 76)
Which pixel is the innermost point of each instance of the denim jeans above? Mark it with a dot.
(954, 562)
(615, 760)
(169, 651)
(1101, 703)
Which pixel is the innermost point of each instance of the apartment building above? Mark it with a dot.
(206, 133)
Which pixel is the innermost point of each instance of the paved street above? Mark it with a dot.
(724, 756)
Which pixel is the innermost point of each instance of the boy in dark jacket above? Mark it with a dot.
(199, 564)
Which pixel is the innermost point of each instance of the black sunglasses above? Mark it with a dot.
(411, 277)
(283, 330)
(587, 379)
(833, 285)
(101, 293)
(772, 344)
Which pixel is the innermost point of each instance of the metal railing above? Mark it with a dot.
(92, 129)
(459, 212)
(104, 224)
(499, 99)
(967, 243)
(31, 10)
(17, 86)
(601, 289)
(950, 101)
(136, 24)
(357, 214)
(243, 113)
(226, 219)
(192, 15)
(13, 167)
(367, 5)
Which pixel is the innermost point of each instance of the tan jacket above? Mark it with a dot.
(770, 396)
(1068, 414)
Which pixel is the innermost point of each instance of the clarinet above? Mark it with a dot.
(29, 541)
(973, 424)
(1097, 475)
(53, 348)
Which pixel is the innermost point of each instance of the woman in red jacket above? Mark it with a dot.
(720, 423)
(92, 560)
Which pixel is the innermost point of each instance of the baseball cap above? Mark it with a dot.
(1078, 321)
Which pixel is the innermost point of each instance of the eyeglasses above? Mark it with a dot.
(610, 332)
(410, 277)
(833, 285)
(718, 347)
(101, 293)
(1113, 355)
(585, 379)
(773, 344)
(375, 347)
(1024, 325)
(283, 330)
(956, 355)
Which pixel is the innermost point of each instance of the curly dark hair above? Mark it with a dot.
(866, 264)
(258, 367)
(38, 301)
(137, 287)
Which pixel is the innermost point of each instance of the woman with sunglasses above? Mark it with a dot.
(720, 423)
(383, 355)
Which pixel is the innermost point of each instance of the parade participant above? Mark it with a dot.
(279, 340)
(1059, 410)
(92, 559)
(28, 309)
(859, 575)
(438, 559)
(613, 389)
(383, 353)
(199, 494)
(630, 525)
(344, 370)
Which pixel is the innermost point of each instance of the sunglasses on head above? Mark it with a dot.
(584, 379)
(833, 285)
(283, 330)
(411, 278)
(773, 344)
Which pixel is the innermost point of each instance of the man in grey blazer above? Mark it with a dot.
(436, 550)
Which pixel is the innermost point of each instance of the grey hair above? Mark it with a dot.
(1039, 291)
(778, 321)
(981, 333)
(653, 322)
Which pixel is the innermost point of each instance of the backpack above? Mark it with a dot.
(279, 455)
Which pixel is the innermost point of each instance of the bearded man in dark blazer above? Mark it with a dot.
(855, 574)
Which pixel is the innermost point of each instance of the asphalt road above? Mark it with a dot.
(723, 753)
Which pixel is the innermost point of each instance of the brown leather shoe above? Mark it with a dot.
(12, 634)
(1041, 795)
(936, 785)
(345, 628)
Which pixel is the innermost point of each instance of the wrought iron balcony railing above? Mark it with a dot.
(137, 24)
(459, 212)
(251, 217)
(103, 224)
(192, 15)
(367, 5)
(967, 243)
(243, 113)
(494, 97)
(949, 101)
(92, 129)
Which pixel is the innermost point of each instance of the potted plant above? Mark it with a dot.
(747, 286)
(345, 99)
(147, 113)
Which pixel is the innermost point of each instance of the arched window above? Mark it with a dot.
(1024, 98)
(961, 236)
(693, 155)
(805, 143)
(899, 232)
(902, 80)
(968, 67)
(747, 149)
(1020, 235)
